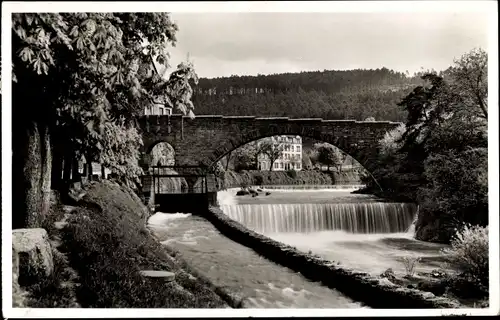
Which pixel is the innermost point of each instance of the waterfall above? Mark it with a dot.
(372, 217)
(411, 229)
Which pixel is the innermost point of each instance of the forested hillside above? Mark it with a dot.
(352, 94)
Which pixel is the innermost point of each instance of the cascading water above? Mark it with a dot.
(375, 217)
(359, 231)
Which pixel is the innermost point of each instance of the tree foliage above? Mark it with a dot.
(272, 150)
(245, 157)
(439, 158)
(89, 75)
(351, 94)
(329, 155)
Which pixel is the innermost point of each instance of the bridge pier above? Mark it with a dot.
(191, 182)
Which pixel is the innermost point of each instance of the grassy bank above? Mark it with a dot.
(233, 179)
(35, 290)
(108, 244)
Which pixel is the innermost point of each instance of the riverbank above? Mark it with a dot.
(233, 179)
(108, 245)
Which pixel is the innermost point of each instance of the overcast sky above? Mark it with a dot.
(223, 44)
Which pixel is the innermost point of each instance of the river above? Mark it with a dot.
(357, 231)
(238, 268)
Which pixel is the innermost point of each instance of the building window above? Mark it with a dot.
(298, 148)
(276, 165)
(161, 111)
(281, 165)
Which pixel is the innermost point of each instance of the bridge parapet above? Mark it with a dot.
(207, 138)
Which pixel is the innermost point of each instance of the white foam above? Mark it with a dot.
(347, 188)
(335, 236)
(161, 218)
(227, 197)
(166, 242)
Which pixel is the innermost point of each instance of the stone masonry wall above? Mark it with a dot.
(206, 139)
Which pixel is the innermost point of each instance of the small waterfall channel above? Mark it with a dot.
(284, 214)
(359, 231)
(377, 217)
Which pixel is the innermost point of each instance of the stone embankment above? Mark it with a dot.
(373, 291)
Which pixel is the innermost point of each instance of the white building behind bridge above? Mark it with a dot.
(291, 157)
(157, 110)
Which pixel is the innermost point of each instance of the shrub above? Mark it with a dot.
(56, 213)
(247, 178)
(456, 192)
(50, 291)
(410, 264)
(469, 250)
(244, 185)
(259, 180)
(107, 244)
(292, 174)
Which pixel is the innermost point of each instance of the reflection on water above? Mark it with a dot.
(229, 264)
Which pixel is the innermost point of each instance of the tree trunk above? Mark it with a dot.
(32, 175)
(75, 175)
(57, 167)
(228, 158)
(84, 173)
(46, 171)
(89, 167)
(103, 172)
(89, 170)
(67, 168)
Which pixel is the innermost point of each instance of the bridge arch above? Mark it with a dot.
(204, 140)
(357, 149)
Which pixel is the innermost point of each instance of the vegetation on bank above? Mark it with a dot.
(468, 253)
(231, 179)
(56, 291)
(108, 244)
(438, 159)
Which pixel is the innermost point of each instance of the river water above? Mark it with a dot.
(229, 264)
(356, 231)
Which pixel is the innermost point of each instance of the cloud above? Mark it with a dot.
(222, 44)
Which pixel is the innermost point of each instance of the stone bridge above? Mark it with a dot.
(207, 138)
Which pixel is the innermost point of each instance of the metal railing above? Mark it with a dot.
(197, 182)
